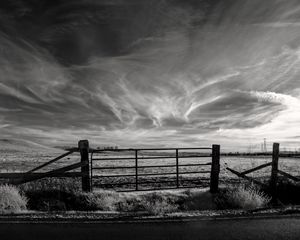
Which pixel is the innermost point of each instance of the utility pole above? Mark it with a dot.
(265, 145)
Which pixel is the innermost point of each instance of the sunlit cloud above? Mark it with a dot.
(183, 74)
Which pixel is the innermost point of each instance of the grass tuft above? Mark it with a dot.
(43, 198)
(104, 200)
(49, 184)
(159, 204)
(245, 197)
(11, 201)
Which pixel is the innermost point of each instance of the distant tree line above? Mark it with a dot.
(107, 147)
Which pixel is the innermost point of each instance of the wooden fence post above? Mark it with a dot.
(274, 171)
(136, 171)
(215, 169)
(83, 146)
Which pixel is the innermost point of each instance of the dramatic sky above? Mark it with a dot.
(151, 72)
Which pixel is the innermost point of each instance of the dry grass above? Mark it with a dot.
(49, 184)
(64, 193)
(154, 203)
(242, 197)
(198, 200)
(11, 201)
(159, 204)
(104, 200)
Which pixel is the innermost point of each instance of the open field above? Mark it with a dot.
(22, 159)
(117, 170)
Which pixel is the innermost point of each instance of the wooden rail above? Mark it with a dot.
(256, 168)
(274, 170)
(59, 171)
(24, 175)
(32, 175)
(51, 161)
(245, 177)
(274, 173)
(243, 174)
(296, 179)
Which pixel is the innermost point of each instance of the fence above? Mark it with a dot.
(136, 173)
(272, 186)
(87, 168)
(32, 175)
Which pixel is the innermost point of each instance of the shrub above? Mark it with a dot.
(153, 203)
(130, 204)
(11, 200)
(104, 200)
(242, 197)
(48, 184)
(198, 200)
(49, 200)
(159, 204)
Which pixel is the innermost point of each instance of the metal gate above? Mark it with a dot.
(154, 168)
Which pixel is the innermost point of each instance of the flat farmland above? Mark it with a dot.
(22, 160)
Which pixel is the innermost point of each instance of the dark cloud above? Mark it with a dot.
(75, 30)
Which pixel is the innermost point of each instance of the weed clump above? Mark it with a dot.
(158, 204)
(60, 200)
(52, 184)
(104, 200)
(245, 197)
(45, 198)
(11, 201)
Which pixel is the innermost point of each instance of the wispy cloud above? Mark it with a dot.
(281, 24)
(182, 74)
(282, 127)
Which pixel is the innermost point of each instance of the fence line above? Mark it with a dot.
(272, 186)
(89, 156)
(32, 175)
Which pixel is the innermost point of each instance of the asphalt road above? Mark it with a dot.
(286, 228)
